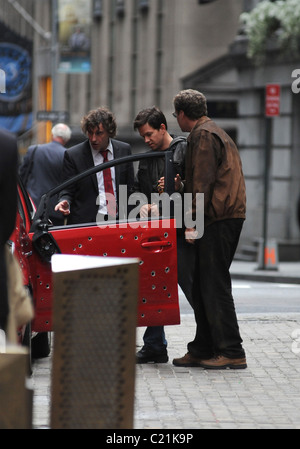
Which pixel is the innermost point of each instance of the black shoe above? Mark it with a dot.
(146, 355)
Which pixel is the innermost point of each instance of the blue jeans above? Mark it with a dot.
(154, 338)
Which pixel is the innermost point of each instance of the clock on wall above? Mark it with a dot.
(15, 62)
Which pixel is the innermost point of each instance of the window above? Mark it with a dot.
(97, 9)
(143, 5)
(222, 109)
(120, 8)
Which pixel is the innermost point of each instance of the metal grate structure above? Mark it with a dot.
(16, 400)
(95, 314)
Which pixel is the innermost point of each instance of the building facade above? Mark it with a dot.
(235, 87)
(140, 52)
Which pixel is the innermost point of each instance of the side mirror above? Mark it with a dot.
(45, 245)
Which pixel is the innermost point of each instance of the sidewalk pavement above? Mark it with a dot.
(287, 272)
(266, 395)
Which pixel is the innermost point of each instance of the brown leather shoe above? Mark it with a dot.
(187, 360)
(222, 362)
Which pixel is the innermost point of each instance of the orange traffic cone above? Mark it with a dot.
(268, 255)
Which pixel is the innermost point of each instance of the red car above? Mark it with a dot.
(153, 242)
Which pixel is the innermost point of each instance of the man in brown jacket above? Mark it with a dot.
(213, 167)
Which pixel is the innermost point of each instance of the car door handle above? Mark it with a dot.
(155, 243)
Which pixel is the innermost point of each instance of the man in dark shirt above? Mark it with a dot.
(152, 126)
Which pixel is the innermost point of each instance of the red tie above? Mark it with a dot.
(108, 186)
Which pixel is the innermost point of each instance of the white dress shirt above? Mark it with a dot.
(98, 159)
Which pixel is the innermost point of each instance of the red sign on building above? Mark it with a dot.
(272, 100)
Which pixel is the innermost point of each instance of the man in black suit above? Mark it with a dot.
(89, 200)
(41, 169)
(8, 209)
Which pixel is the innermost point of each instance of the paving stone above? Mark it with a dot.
(264, 396)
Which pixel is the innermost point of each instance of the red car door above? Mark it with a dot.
(153, 242)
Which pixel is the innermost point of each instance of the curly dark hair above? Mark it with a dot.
(100, 115)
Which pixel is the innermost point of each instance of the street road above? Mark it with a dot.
(259, 297)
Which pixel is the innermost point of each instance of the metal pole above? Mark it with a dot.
(29, 19)
(54, 52)
(267, 168)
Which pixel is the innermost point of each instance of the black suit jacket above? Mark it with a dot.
(83, 195)
(46, 173)
(8, 209)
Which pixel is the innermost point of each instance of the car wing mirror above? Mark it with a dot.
(45, 245)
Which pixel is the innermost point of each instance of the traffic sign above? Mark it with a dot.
(53, 116)
(272, 107)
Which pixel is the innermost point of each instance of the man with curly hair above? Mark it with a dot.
(88, 200)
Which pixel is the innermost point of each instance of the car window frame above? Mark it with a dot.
(43, 231)
(41, 216)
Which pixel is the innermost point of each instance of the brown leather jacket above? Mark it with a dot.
(213, 167)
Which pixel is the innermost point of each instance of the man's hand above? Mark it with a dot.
(178, 184)
(190, 235)
(63, 207)
(149, 210)
(161, 185)
(154, 212)
(144, 210)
